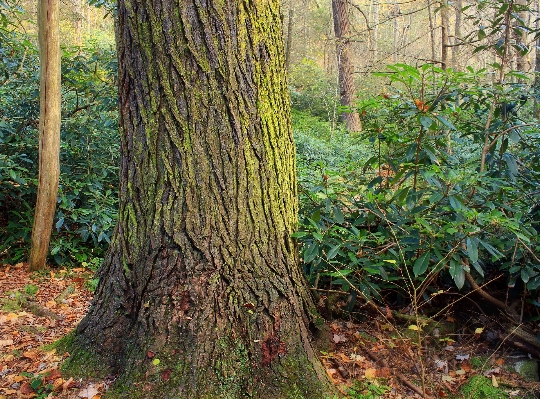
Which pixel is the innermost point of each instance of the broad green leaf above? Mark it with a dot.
(512, 164)
(311, 252)
(338, 215)
(533, 284)
(523, 237)
(472, 249)
(299, 234)
(514, 136)
(491, 249)
(333, 252)
(421, 264)
(446, 122)
(478, 268)
(426, 121)
(455, 203)
(457, 272)
(524, 275)
(481, 34)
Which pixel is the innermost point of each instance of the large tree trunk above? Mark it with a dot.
(347, 89)
(202, 272)
(49, 131)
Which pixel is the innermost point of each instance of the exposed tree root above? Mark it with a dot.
(494, 301)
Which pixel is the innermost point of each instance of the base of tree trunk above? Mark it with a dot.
(229, 373)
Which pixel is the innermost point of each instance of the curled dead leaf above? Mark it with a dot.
(5, 342)
(370, 373)
(166, 375)
(339, 338)
(89, 392)
(26, 389)
(68, 384)
(32, 355)
(58, 384)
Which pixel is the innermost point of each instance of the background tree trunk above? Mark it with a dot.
(375, 30)
(78, 15)
(458, 6)
(347, 89)
(431, 31)
(537, 67)
(49, 131)
(290, 24)
(396, 14)
(445, 42)
(202, 271)
(520, 34)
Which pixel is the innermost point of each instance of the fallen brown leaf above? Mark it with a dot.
(26, 389)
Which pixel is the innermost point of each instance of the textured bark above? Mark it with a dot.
(347, 90)
(202, 273)
(49, 131)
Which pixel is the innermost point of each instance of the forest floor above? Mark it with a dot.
(376, 357)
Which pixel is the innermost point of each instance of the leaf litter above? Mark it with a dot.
(35, 310)
(38, 309)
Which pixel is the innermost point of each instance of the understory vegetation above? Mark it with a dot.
(87, 200)
(439, 189)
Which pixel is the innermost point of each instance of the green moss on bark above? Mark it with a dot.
(165, 375)
(81, 362)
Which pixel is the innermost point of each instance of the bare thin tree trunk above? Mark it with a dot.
(445, 43)
(49, 130)
(431, 31)
(537, 67)
(345, 68)
(520, 34)
(458, 4)
(79, 16)
(375, 31)
(396, 31)
(290, 24)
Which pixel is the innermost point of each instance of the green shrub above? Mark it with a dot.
(435, 199)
